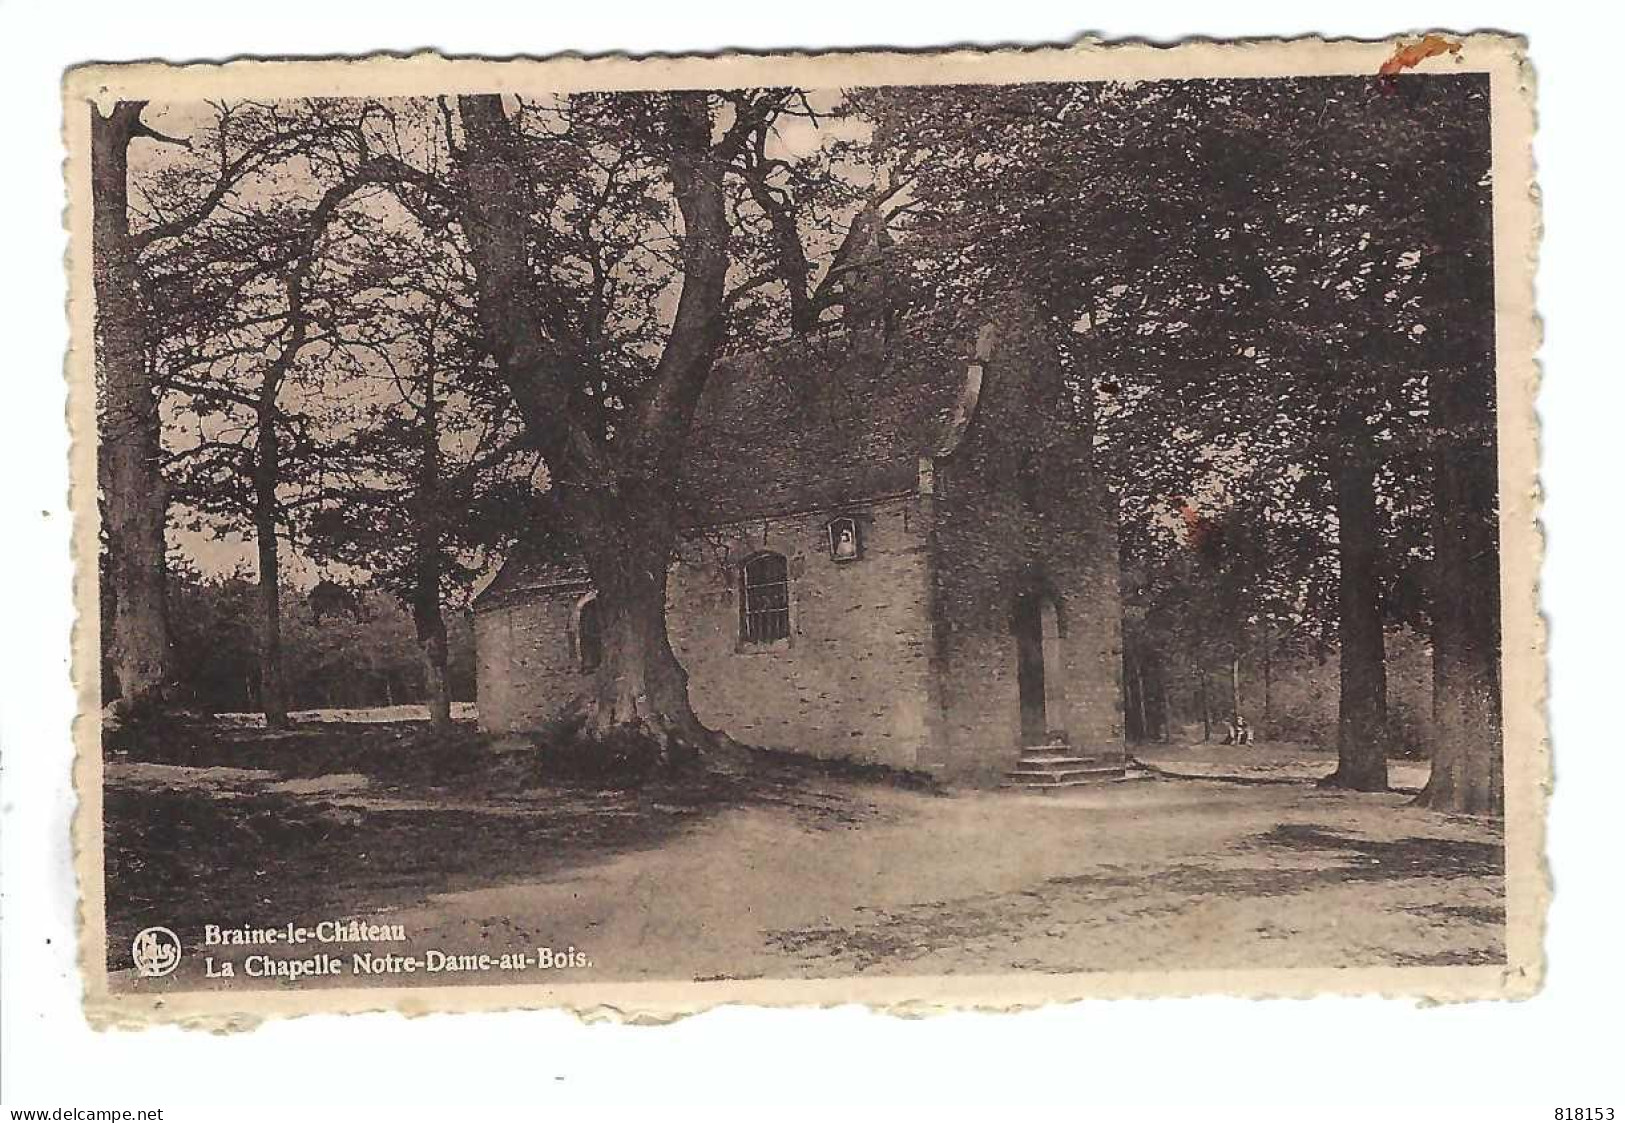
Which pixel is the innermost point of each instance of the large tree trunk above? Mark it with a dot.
(129, 447)
(1362, 703)
(267, 466)
(1468, 774)
(1133, 695)
(1467, 770)
(639, 687)
(620, 497)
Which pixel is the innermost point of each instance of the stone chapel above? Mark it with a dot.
(896, 549)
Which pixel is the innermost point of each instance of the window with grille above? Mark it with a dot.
(766, 615)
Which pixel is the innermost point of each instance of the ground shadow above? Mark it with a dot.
(892, 936)
(208, 823)
(1403, 857)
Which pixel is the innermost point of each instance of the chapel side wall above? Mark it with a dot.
(990, 544)
(982, 533)
(853, 680)
(978, 567)
(526, 669)
(1091, 589)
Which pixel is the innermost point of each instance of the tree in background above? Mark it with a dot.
(252, 315)
(432, 478)
(363, 657)
(242, 142)
(1240, 269)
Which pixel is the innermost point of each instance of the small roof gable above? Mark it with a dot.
(528, 571)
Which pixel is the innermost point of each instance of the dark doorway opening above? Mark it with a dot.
(1029, 630)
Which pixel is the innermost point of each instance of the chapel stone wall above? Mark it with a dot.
(1018, 510)
(526, 666)
(852, 678)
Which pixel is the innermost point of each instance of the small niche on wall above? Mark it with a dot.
(845, 539)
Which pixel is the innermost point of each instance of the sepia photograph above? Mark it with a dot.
(969, 529)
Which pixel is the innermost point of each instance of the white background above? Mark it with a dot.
(1522, 1058)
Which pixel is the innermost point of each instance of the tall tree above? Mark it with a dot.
(1456, 207)
(128, 459)
(273, 317)
(805, 223)
(242, 142)
(1362, 712)
(433, 475)
(620, 494)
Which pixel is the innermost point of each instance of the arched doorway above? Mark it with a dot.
(1040, 667)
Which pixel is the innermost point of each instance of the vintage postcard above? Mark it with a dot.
(962, 529)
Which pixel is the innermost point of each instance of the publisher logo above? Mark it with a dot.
(156, 951)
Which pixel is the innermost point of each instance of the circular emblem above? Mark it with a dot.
(156, 951)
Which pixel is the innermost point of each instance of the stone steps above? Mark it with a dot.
(1073, 778)
(1048, 767)
(1048, 759)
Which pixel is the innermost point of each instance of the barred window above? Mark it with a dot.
(766, 609)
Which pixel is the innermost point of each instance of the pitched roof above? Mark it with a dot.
(810, 423)
(819, 422)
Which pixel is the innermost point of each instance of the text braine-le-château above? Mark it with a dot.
(325, 932)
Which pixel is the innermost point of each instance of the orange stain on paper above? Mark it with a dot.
(1407, 55)
(1198, 527)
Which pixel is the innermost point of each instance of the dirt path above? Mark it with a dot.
(789, 874)
(1152, 875)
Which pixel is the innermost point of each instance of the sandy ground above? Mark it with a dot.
(1157, 875)
(834, 877)
(1266, 761)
